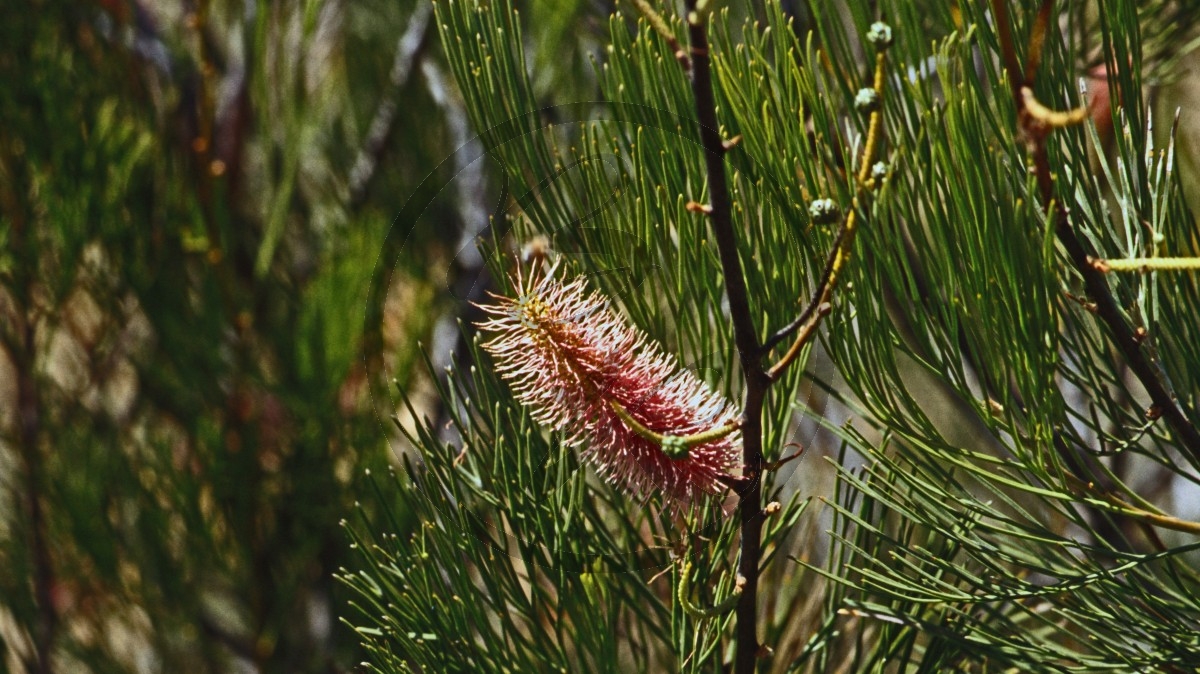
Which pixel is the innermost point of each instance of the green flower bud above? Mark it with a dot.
(867, 101)
(824, 211)
(674, 447)
(880, 36)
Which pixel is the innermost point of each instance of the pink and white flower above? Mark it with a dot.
(569, 358)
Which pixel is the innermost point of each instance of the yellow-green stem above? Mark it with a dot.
(684, 591)
(674, 446)
(846, 241)
(1149, 264)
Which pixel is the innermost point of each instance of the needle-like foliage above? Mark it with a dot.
(1012, 492)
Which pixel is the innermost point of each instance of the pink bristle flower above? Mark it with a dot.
(569, 358)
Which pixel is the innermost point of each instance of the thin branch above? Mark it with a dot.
(1144, 265)
(813, 305)
(1046, 118)
(721, 212)
(408, 51)
(660, 26)
(745, 337)
(683, 594)
(776, 465)
(18, 338)
(28, 416)
(1037, 38)
(820, 306)
(807, 329)
(1008, 49)
(1124, 337)
(1121, 507)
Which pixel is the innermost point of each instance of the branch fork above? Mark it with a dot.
(869, 101)
(750, 351)
(1035, 122)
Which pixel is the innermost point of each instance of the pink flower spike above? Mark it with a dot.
(569, 358)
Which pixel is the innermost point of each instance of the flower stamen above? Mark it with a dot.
(639, 419)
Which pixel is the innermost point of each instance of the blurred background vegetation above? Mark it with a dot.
(224, 230)
(224, 226)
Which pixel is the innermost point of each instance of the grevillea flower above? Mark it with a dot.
(580, 369)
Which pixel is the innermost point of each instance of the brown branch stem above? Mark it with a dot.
(813, 305)
(17, 337)
(745, 337)
(1124, 337)
(408, 52)
(28, 420)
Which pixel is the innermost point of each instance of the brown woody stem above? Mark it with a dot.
(745, 337)
(1124, 337)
